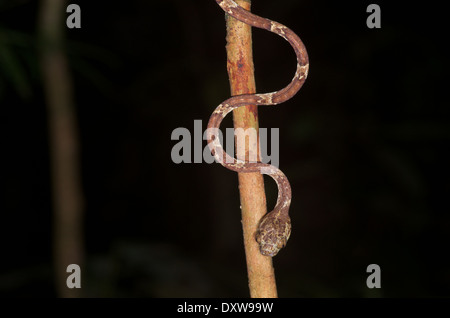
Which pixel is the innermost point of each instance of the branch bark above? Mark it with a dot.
(261, 275)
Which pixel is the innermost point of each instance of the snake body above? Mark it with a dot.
(275, 227)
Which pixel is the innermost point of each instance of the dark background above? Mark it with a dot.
(364, 145)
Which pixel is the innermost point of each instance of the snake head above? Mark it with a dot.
(273, 233)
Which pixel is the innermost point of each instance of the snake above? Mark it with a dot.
(274, 228)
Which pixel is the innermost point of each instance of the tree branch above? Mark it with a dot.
(64, 155)
(260, 270)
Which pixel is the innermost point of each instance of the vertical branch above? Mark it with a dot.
(260, 270)
(64, 155)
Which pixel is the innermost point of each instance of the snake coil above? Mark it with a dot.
(275, 227)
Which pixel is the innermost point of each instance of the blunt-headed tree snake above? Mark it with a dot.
(275, 227)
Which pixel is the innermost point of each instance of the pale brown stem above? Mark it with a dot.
(64, 155)
(261, 276)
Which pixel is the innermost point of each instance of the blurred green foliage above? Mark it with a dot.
(18, 62)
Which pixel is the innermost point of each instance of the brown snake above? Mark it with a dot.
(275, 227)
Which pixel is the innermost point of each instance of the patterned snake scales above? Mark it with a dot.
(275, 227)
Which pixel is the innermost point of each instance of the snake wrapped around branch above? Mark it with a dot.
(275, 227)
